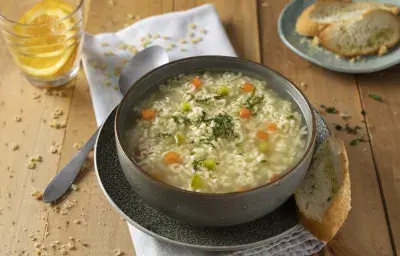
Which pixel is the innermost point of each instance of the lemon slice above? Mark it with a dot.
(48, 48)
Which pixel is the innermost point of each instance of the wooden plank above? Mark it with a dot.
(383, 119)
(365, 232)
(240, 21)
(101, 226)
(21, 216)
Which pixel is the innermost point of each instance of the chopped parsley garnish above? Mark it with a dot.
(357, 140)
(205, 101)
(191, 97)
(290, 116)
(354, 142)
(224, 126)
(330, 110)
(338, 127)
(163, 135)
(352, 130)
(196, 164)
(375, 97)
(253, 100)
(182, 120)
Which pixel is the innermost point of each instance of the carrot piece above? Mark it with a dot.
(248, 87)
(245, 113)
(148, 114)
(272, 127)
(262, 135)
(172, 158)
(196, 82)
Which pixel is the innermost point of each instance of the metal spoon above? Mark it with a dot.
(145, 61)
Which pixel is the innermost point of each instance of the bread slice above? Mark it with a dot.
(330, 12)
(363, 36)
(323, 198)
(307, 27)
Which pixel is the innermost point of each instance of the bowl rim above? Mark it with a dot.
(308, 150)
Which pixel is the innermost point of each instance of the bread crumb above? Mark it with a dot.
(71, 245)
(38, 195)
(53, 149)
(122, 46)
(166, 38)
(132, 49)
(57, 113)
(315, 41)
(77, 145)
(77, 222)
(104, 44)
(63, 252)
(117, 252)
(203, 31)
(17, 118)
(109, 53)
(31, 165)
(74, 187)
(182, 41)
(191, 34)
(303, 85)
(382, 50)
(156, 35)
(192, 26)
(124, 60)
(14, 146)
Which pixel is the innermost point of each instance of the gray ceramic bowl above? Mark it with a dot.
(206, 209)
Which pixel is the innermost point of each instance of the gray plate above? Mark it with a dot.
(325, 58)
(119, 193)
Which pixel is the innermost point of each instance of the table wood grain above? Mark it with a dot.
(373, 226)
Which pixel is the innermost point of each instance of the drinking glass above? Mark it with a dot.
(44, 38)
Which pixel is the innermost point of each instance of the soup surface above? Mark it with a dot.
(216, 133)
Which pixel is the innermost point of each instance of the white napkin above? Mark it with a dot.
(204, 34)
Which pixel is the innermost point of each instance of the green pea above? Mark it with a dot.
(223, 91)
(197, 182)
(264, 146)
(185, 106)
(209, 164)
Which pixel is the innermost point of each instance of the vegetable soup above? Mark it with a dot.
(217, 133)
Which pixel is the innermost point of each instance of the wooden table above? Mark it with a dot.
(372, 228)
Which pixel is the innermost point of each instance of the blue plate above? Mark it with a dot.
(323, 57)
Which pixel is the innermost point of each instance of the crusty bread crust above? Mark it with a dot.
(305, 26)
(336, 214)
(324, 38)
(320, 6)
